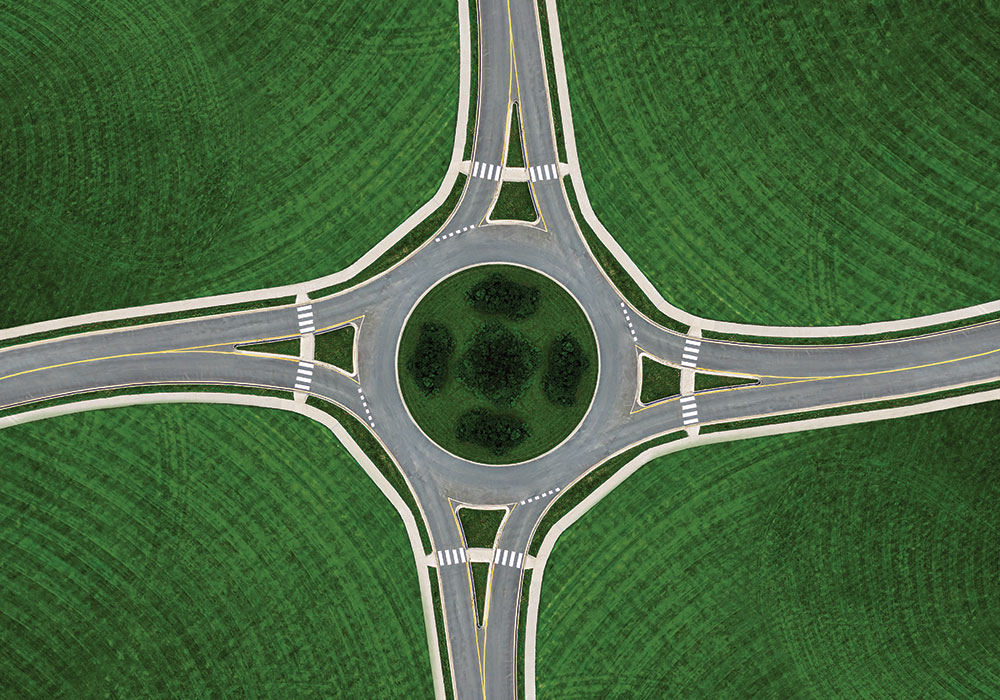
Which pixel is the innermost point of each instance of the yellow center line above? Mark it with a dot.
(800, 380)
(194, 348)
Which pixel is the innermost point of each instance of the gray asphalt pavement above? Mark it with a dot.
(202, 351)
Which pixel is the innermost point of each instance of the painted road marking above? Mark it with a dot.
(506, 557)
(475, 170)
(456, 232)
(531, 173)
(689, 410)
(628, 320)
(489, 176)
(364, 404)
(540, 496)
(486, 171)
(689, 358)
(305, 318)
(450, 557)
(304, 375)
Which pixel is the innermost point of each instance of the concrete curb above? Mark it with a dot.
(654, 295)
(534, 591)
(293, 407)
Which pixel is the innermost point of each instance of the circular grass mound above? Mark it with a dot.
(497, 364)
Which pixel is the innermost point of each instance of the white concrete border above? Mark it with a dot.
(534, 591)
(293, 407)
(429, 207)
(654, 295)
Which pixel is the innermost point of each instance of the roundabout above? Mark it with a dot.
(497, 364)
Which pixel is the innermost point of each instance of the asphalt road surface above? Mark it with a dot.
(202, 351)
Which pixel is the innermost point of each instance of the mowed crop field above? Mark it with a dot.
(201, 552)
(794, 163)
(154, 151)
(853, 562)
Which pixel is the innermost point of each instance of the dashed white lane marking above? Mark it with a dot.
(540, 496)
(456, 232)
(689, 358)
(628, 320)
(304, 376)
(364, 405)
(689, 410)
(506, 557)
(447, 557)
(487, 171)
(306, 321)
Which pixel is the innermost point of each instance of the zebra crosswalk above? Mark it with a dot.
(447, 557)
(543, 172)
(486, 171)
(506, 557)
(304, 376)
(689, 410)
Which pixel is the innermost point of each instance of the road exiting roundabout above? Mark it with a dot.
(497, 364)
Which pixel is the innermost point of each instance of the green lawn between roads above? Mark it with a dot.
(156, 151)
(849, 562)
(438, 414)
(794, 163)
(200, 552)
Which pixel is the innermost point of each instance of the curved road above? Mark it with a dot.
(202, 351)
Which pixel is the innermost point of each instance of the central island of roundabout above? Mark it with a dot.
(497, 364)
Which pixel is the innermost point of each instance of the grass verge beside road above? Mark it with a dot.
(847, 562)
(202, 550)
(772, 163)
(156, 152)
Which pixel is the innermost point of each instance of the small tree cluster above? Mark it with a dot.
(499, 295)
(566, 364)
(498, 364)
(428, 364)
(497, 432)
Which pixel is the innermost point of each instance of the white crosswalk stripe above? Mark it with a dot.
(506, 557)
(689, 410)
(450, 557)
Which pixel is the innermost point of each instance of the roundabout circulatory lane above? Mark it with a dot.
(202, 351)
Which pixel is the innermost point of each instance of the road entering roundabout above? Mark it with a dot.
(497, 364)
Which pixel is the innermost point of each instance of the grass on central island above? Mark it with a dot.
(193, 551)
(849, 562)
(449, 344)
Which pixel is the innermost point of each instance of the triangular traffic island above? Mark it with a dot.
(710, 380)
(515, 152)
(480, 527)
(480, 581)
(336, 348)
(288, 346)
(514, 203)
(658, 380)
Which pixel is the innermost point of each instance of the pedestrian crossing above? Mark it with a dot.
(364, 405)
(486, 171)
(306, 321)
(689, 410)
(304, 376)
(448, 557)
(690, 356)
(543, 172)
(506, 557)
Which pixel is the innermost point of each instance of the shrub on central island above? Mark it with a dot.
(498, 364)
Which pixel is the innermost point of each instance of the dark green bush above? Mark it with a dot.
(429, 361)
(566, 364)
(497, 432)
(498, 294)
(498, 364)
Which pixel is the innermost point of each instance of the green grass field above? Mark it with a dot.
(200, 552)
(437, 415)
(794, 163)
(843, 563)
(658, 381)
(156, 151)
